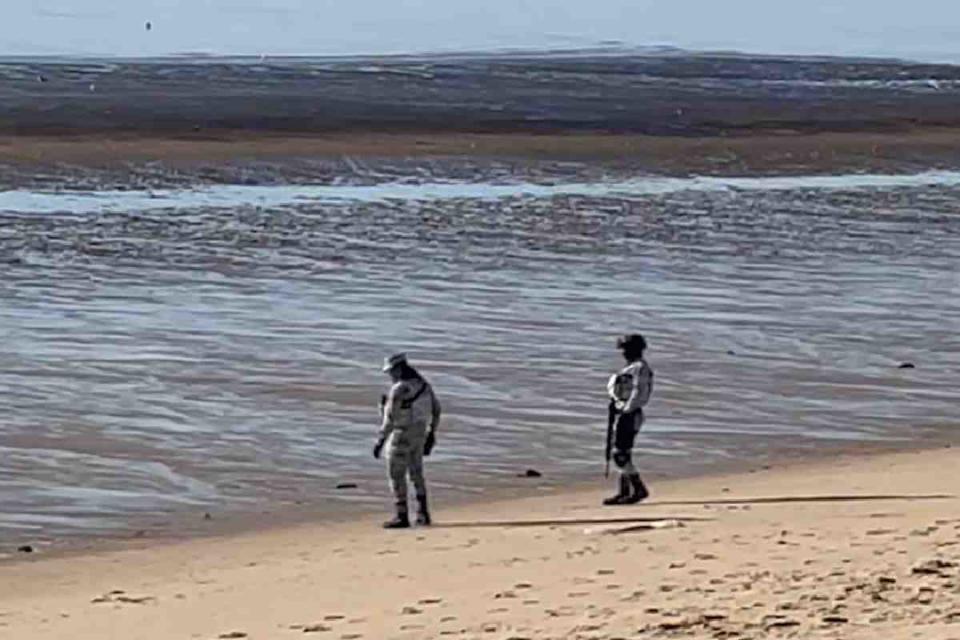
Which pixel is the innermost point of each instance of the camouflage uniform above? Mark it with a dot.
(629, 390)
(410, 412)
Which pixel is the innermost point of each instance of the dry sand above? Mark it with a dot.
(785, 152)
(861, 547)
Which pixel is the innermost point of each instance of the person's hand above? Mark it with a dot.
(428, 445)
(378, 448)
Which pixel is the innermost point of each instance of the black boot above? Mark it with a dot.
(423, 512)
(401, 520)
(624, 494)
(639, 490)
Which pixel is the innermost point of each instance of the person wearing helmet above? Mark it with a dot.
(629, 392)
(410, 415)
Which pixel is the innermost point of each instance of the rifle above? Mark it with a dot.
(611, 423)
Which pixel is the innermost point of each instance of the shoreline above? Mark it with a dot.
(753, 154)
(84, 238)
(736, 548)
(243, 147)
(191, 526)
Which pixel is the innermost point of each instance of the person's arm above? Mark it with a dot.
(436, 411)
(434, 422)
(389, 418)
(390, 410)
(612, 387)
(641, 389)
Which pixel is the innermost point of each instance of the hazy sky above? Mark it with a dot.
(928, 29)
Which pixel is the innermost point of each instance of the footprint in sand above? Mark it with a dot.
(313, 628)
(411, 611)
(782, 624)
(120, 596)
(428, 601)
(135, 599)
(333, 617)
(232, 635)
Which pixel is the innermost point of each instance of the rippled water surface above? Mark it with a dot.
(210, 349)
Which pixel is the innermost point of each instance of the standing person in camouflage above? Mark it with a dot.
(410, 414)
(629, 391)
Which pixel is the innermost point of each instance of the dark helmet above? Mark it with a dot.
(632, 343)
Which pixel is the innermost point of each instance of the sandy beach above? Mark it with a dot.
(855, 547)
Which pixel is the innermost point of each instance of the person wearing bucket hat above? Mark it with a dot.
(629, 392)
(410, 413)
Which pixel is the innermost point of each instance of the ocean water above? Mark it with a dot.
(216, 348)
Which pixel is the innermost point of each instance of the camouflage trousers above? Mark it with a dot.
(627, 428)
(405, 457)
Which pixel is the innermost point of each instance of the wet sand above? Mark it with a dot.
(746, 154)
(855, 547)
(615, 91)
